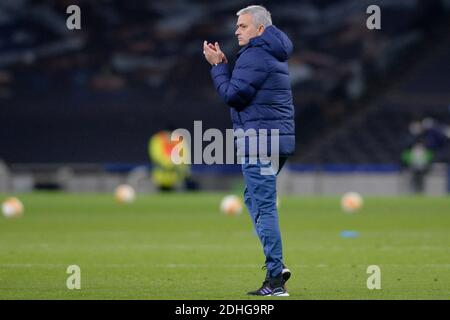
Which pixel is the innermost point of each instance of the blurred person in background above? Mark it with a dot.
(166, 175)
(418, 160)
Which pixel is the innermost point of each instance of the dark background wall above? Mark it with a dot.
(136, 67)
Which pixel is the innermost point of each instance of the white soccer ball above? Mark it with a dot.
(12, 208)
(231, 205)
(125, 193)
(351, 202)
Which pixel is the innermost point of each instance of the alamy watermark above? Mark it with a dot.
(74, 280)
(252, 146)
(74, 20)
(374, 20)
(374, 280)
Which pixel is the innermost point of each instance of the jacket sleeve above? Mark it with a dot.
(238, 89)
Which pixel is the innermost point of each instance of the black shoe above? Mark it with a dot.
(265, 290)
(271, 287)
(286, 273)
(280, 292)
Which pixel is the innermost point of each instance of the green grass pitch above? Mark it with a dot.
(178, 246)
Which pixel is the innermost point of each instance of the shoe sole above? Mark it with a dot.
(285, 294)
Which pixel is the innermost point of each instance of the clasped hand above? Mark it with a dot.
(213, 53)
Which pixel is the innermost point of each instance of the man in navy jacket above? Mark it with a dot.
(259, 93)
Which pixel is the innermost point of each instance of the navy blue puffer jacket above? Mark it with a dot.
(258, 90)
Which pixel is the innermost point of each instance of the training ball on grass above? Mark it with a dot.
(351, 202)
(125, 193)
(12, 208)
(231, 205)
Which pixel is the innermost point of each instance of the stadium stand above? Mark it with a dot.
(97, 95)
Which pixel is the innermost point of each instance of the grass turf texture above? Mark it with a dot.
(178, 246)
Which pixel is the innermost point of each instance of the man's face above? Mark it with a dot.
(246, 30)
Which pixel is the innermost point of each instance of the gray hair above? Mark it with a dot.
(260, 15)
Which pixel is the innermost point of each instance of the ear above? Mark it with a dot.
(261, 29)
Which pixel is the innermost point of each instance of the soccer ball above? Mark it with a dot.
(231, 205)
(351, 202)
(125, 193)
(12, 208)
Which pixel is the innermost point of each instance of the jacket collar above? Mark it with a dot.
(248, 45)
